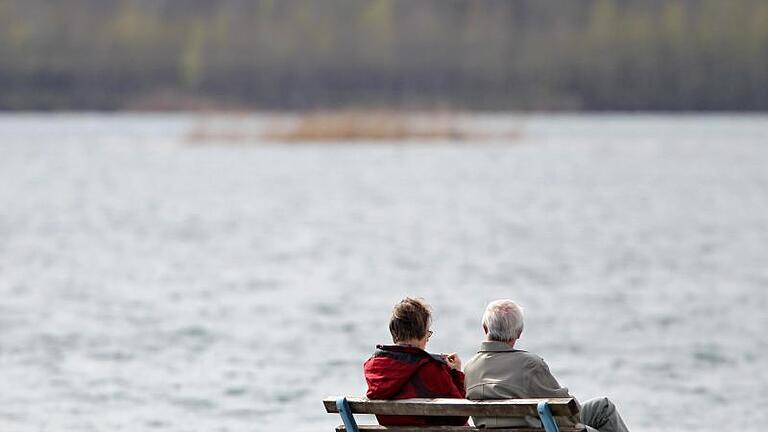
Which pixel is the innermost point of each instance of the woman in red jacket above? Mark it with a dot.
(405, 370)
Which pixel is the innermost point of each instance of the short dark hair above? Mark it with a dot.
(410, 320)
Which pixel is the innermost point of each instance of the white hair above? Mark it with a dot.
(503, 320)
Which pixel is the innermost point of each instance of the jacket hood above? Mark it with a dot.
(391, 367)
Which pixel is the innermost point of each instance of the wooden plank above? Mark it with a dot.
(377, 428)
(455, 407)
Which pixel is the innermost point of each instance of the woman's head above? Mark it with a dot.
(410, 321)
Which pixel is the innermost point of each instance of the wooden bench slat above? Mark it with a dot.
(455, 407)
(377, 428)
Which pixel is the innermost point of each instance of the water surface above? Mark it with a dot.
(149, 284)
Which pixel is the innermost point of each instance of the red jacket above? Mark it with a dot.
(398, 372)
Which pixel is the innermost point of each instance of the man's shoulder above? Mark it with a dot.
(516, 359)
(533, 362)
(510, 355)
(532, 358)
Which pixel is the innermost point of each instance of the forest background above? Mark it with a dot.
(427, 54)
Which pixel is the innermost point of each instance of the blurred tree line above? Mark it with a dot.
(298, 54)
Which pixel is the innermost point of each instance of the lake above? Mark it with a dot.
(147, 283)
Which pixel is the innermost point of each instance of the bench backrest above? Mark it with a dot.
(449, 407)
(455, 407)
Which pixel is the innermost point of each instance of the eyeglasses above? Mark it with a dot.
(430, 333)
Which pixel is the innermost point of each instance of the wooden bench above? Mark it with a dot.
(545, 409)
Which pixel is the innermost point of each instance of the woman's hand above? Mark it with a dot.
(453, 361)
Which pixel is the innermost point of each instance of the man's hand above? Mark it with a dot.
(453, 361)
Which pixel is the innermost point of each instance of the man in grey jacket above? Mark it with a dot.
(499, 371)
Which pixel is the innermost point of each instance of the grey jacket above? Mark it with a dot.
(498, 371)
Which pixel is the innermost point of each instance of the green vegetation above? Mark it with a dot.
(299, 54)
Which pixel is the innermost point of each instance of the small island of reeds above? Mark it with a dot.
(339, 126)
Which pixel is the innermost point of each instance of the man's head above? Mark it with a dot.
(410, 321)
(503, 321)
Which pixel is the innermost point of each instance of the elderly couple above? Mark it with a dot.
(498, 371)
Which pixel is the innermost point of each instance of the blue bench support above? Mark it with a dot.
(545, 414)
(346, 415)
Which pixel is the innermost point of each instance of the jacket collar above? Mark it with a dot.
(400, 352)
(402, 348)
(494, 346)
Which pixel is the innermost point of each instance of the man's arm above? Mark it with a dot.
(542, 384)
